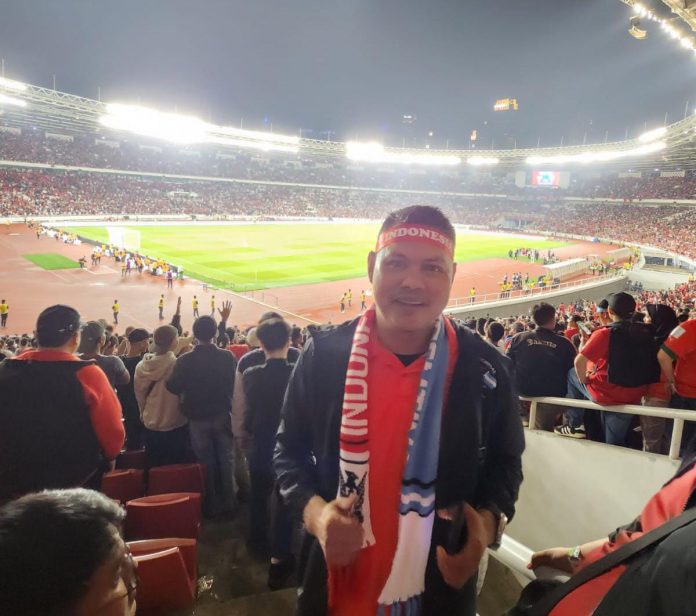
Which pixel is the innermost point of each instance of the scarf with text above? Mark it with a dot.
(406, 583)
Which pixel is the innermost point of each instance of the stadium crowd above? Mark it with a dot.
(264, 419)
(104, 152)
(32, 193)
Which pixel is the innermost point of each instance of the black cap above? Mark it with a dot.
(56, 325)
(138, 335)
(622, 304)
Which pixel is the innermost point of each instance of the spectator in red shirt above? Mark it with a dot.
(677, 358)
(60, 419)
(572, 327)
(595, 384)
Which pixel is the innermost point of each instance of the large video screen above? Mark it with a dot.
(551, 179)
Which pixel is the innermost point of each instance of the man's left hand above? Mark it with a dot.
(457, 569)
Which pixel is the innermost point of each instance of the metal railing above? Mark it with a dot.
(529, 293)
(679, 416)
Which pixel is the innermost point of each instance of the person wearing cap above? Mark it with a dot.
(138, 339)
(92, 339)
(624, 362)
(393, 424)
(60, 419)
(204, 381)
(166, 432)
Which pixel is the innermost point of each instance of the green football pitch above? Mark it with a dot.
(244, 257)
(51, 261)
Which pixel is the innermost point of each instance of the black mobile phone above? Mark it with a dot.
(457, 535)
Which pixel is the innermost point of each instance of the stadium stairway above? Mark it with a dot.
(230, 581)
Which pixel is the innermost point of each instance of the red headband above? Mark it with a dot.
(415, 233)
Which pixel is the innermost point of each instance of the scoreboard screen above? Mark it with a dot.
(551, 179)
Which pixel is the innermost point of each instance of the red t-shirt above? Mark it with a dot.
(392, 389)
(668, 503)
(570, 332)
(681, 345)
(238, 350)
(602, 391)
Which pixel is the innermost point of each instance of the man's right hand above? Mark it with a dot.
(337, 529)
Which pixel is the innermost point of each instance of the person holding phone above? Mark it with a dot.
(395, 426)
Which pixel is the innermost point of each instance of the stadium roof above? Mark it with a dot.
(685, 9)
(32, 107)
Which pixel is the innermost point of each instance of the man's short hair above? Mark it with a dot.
(163, 338)
(269, 315)
(138, 335)
(273, 334)
(543, 313)
(204, 328)
(421, 215)
(495, 331)
(51, 543)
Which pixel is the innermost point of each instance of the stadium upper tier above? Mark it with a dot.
(30, 107)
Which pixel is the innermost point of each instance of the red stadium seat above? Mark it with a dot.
(131, 459)
(164, 515)
(187, 547)
(124, 485)
(176, 478)
(164, 583)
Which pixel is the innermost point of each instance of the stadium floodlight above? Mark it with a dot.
(189, 130)
(152, 123)
(479, 161)
(597, 156)
(11, 100)
(651, 135)
(372, 152)
(11, 84)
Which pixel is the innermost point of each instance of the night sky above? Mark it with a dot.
(355, 66)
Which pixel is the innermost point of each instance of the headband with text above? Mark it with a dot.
(415, 233)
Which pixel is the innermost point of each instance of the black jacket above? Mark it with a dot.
(541, 359)
(205, 380)
(264, 387)
(479, 461)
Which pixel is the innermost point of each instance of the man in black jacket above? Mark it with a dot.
(265, 387)
(204, 378)
(542, 359)
(477, 462)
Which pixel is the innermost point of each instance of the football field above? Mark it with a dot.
(244, 257)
